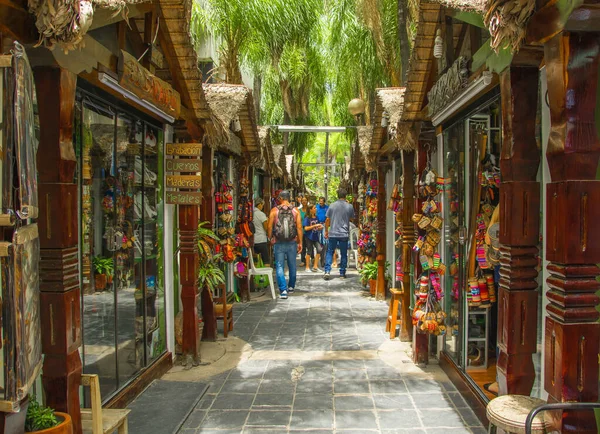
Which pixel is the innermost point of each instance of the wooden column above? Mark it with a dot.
(519, 231)
(380, 240)
(266, 194)
(207, 213)
(209, 332)
(572, 209)
(408, 241)
(188, 271)
(420, 340)
(58, 226)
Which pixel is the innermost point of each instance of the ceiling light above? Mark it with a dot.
(438, 48)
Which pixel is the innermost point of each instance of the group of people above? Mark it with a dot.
(303, 230)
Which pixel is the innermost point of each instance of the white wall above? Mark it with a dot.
(169, 263)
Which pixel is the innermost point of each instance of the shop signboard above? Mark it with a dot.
(184, 197)
(184, 149)
(193, 182)
(138, 80)
(184, 165)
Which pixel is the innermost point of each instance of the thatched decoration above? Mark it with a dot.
(64, 23)
(365, 136)
(264, 136)
(233, 145)
(225, 102)
(408, 136)
(448, 86)
(392, 100)
(506, 20)
(279, 160)
(290, 167)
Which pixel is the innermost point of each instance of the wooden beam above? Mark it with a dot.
(461, 39)
(149, 26)
(449, 40)
(17, 23)
(121, 34)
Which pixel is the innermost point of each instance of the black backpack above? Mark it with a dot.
(285, 228)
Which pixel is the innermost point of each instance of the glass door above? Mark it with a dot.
(454, 238)
(121, 264)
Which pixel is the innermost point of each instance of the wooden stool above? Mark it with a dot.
(98, 420)
(509, 413)
(392, 318)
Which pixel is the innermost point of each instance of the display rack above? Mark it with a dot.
(478, 336)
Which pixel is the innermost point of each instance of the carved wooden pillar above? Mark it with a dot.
(380, 241)
(573, 206)
(408, 241)
(208, 214)
(519, 231)
(58, 226)
(420, 340)
(188, 270)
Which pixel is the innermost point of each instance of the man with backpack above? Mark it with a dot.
(285, 232)
(337, 231)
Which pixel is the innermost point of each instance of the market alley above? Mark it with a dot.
(321, 362)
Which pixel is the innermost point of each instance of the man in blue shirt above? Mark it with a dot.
(322, 208)
(337, 231)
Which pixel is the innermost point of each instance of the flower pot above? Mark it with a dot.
(65, 427)
(373, 286)
(109, 279)
(100, 281)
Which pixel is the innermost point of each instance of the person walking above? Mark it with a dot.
(337, 232)
(261, 243)
(303, 208)
(312, 237)
(285, 232)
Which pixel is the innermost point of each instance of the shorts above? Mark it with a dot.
(262, 249)
(311, 246)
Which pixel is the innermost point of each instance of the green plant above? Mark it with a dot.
(370, 270)
(38, 417)
(210, 274)
(103, 265)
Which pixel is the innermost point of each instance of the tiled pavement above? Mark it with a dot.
(358, 394)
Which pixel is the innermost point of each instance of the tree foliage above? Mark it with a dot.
(310, 56)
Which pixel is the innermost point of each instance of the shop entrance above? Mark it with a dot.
(471, 208)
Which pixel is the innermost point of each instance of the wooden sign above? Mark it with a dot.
(184, 198)
(137, 79)
(184, 181)
(183, 165)
(184, 149)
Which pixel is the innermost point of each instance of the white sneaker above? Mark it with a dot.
(283, 295)
(290, 290)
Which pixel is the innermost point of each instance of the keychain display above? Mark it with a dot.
(367, 195)
(225, 227)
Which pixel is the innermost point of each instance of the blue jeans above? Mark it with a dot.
(281, 251)
(337, 243)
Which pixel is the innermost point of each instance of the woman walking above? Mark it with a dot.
(312, 235)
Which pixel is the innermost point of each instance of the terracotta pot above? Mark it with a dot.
(65, 427)
(373, 286)
(100, 282)
(109, 280)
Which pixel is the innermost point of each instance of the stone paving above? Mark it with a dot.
(321, 362)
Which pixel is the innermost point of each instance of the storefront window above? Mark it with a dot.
(453, 254)
(120, 179)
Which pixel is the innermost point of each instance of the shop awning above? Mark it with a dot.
(365, 138)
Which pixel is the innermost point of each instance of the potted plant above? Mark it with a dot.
(44, 420)
(369, 275)
(103, 272)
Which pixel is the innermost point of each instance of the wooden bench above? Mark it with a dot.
(98, 420)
